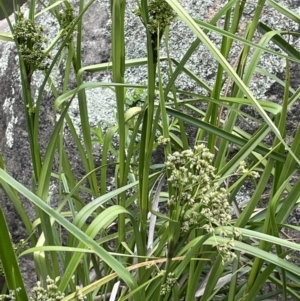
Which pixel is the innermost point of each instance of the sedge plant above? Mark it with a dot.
(178, 236)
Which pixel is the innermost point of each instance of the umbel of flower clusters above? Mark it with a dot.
(39, 293)
(197, 199)
(66, 19)
(31, 39)
(51, 293)
(166, 288)
(160, 15)
(197, 194)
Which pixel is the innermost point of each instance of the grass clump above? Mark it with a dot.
(171, 230)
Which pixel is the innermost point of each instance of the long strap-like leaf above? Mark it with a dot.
(9, 262)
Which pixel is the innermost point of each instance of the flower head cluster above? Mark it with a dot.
(11, 296)
(161, 15)
(21, 244)
(31, 40)
(201, 199)
(66, 18)
(79, 295)
(162, 140)
(167, 286)
(191, 167)
(243, 169)
(225, 251)
(51, 293)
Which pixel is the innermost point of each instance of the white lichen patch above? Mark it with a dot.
(7, 49)
(101, 107)
(8, 108)
(4, 57)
